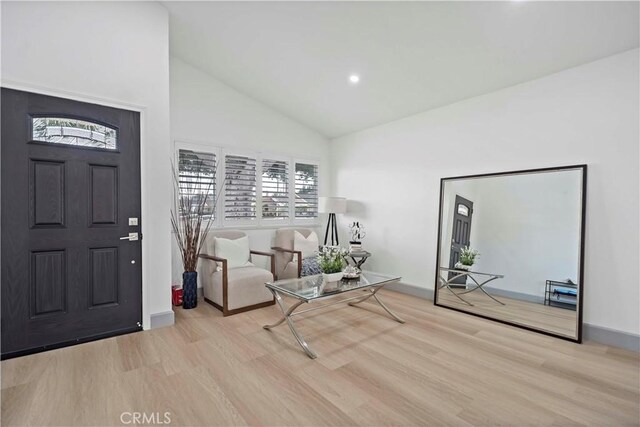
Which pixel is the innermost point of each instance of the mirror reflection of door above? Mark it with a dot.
(462, 213)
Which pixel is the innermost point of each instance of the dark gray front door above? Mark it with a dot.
(462, 213)
(70, 184)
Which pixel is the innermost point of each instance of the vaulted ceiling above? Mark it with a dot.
(296, 57)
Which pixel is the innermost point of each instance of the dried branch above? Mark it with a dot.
(190, 219)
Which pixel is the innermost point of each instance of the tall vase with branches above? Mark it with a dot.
(192, 218)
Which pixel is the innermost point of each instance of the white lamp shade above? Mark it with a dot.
(336, 205)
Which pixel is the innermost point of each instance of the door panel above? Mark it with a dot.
(48, 283)
(104, 277)
(46, 193)
(103, 197)
(66, 199)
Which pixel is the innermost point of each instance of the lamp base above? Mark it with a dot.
(333, 226)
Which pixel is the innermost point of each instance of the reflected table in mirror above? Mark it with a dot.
(315, 289)
(478, 284)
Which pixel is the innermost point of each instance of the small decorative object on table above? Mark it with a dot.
(350, 272)
(467, 258)
(357, 234)
(331, 261)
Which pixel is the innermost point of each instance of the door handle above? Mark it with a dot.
(132, 237)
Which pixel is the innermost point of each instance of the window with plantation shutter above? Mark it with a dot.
(275, 189)
(240, 187)
(197, 182)
(306, 191)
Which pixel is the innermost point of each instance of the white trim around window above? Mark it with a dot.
(221, 173)
(241, 187)
(201, 148)
(316, 218)
(265, 221)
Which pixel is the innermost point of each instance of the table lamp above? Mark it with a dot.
(332, 206)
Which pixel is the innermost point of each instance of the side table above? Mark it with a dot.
(359, 258)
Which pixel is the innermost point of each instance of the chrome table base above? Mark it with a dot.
(478, 285)
(288, 313)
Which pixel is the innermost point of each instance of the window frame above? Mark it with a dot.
(202, 148)
(221, 171)
(232, 223)
(288, 160)
(305, 221)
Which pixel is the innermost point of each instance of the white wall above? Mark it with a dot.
(588, 114)
(207, 112)
(526, 227)
(114, 53)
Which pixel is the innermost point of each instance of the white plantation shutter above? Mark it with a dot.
(240, 187)
(196, 179)
(275, 189)
(306, 191)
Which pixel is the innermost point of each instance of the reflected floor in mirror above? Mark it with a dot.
(547, 318)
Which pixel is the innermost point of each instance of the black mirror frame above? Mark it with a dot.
(583, 168)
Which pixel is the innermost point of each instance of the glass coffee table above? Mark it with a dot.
(313, 289)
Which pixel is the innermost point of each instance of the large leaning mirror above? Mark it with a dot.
(511, 248)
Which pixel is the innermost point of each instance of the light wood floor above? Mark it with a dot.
(440, 368)
(549, 318)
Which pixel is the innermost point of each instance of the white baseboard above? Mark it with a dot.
(611, 337)
(416, 291)
(599, 334)
(158, 320)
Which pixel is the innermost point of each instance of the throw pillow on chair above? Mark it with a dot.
(307, 245)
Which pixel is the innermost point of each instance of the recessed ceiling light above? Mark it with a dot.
(354, 78)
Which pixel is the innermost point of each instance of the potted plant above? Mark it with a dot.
(331, 261)
(467, 258)
(192, 218)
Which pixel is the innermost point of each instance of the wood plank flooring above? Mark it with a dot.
(549, 318)
(440, 368)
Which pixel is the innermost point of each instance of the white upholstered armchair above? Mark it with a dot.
(288, 259)
(230, 282)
